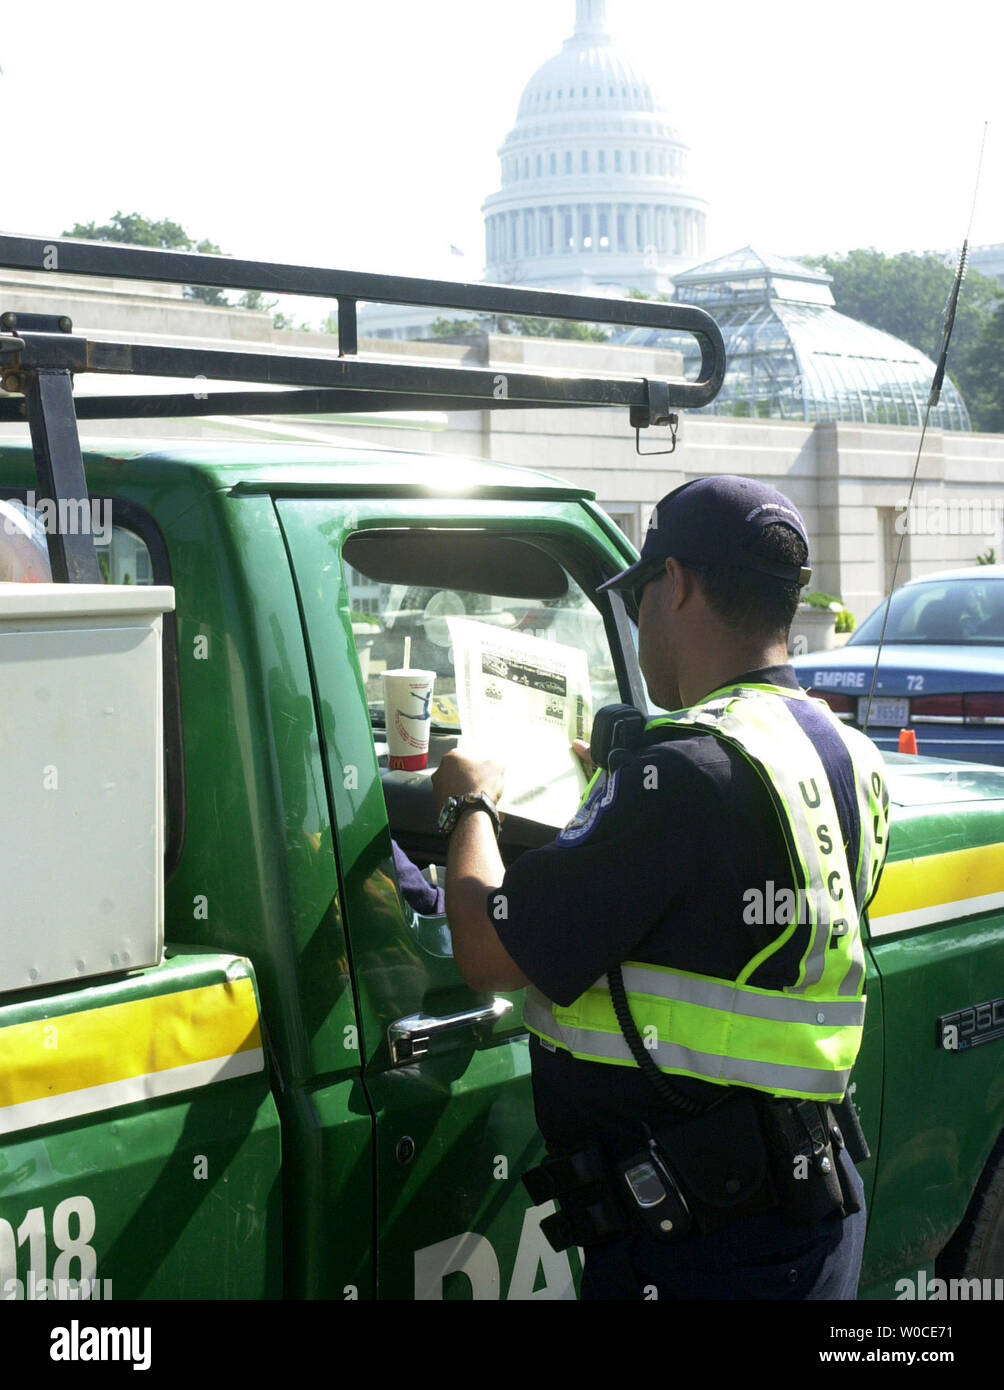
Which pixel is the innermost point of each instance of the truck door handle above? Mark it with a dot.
(409, 1038)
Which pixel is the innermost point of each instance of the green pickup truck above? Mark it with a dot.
(302, 1098)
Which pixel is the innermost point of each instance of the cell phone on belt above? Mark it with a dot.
(654, 1195)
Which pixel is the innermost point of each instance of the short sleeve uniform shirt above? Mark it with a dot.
(656, 867)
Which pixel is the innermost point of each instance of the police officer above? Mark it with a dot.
(690, 942)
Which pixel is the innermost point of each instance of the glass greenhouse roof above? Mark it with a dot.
(793, 357)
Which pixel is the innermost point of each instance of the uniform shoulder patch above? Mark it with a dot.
(587, 817)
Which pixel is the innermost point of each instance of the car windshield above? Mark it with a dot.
(955, 612)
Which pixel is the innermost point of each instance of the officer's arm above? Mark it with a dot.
(473, 868)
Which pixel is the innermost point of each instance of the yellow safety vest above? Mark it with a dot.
(801, 1040)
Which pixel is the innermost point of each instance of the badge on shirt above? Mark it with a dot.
(586, 818)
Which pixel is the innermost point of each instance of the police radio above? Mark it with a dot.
(617, 732)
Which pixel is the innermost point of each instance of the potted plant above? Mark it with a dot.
(819, 619)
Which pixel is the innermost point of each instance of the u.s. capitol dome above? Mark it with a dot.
(594, 188)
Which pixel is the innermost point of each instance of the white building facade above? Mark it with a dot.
(594, 185)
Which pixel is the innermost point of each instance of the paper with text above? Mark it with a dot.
(522, 700)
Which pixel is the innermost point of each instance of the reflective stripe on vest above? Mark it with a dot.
(588, 1029)
(799, 1041)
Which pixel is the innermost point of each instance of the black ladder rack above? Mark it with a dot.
(39, 355)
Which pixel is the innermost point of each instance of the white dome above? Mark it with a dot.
(589, 74)
(593, 192)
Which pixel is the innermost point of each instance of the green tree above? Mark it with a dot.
(462, 328)
(906, 295)
(255, 299)
(526, 327)
(288, 325)
(133, 229)
(985, 373)
(520, 326)
(136, 230)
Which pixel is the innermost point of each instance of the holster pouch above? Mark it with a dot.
(800, 1139)
(720, 1161)
(580, 1182)
(848, 1196)
(846, 1117)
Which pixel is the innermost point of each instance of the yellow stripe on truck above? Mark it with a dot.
(143, 1037)
(938, 888)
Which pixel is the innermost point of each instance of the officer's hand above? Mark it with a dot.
(581, 751)
(457, 775)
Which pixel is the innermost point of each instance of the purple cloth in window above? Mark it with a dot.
(418, 892)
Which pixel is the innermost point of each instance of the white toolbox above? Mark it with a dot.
(81, 781)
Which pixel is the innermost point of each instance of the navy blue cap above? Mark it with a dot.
(717, 521)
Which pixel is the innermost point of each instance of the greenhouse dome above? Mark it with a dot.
(791, 356)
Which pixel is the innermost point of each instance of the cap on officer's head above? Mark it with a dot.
(718, 521)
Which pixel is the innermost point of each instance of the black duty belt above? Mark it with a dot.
(744, 1156)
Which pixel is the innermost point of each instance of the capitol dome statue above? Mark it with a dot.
(594, 188)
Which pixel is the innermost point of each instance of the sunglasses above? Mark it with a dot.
(654, 570)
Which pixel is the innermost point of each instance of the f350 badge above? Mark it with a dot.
(980, 1023)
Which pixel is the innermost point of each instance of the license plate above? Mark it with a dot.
(884, 711)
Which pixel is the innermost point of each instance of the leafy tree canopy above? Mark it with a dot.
(985, 379)
(255, 299)
(133, 229)
(519, 326)
(136, 230)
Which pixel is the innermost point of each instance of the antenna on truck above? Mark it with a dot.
(932, 400)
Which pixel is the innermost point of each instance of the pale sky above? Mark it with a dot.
(365, 135)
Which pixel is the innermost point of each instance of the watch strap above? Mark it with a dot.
(477, 801)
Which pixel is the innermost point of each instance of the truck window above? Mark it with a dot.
(366, 591)
(125, 558)
(404, 588)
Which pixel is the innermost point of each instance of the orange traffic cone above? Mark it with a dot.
(907, 741)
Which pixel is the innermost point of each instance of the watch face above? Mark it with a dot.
(448, 815)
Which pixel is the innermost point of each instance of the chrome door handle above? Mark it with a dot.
(409, 1038)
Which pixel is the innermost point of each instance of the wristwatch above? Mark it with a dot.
(455, 806)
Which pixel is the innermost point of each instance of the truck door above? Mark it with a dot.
(446, 1069)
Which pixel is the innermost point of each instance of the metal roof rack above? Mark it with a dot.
(39, 355)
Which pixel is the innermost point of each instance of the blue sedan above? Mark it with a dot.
(941, 672)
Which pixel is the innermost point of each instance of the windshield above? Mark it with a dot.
(957, 612)
(397, 618)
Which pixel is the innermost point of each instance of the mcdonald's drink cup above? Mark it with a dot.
(407, 697)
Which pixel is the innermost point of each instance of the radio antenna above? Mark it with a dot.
(932, 400)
